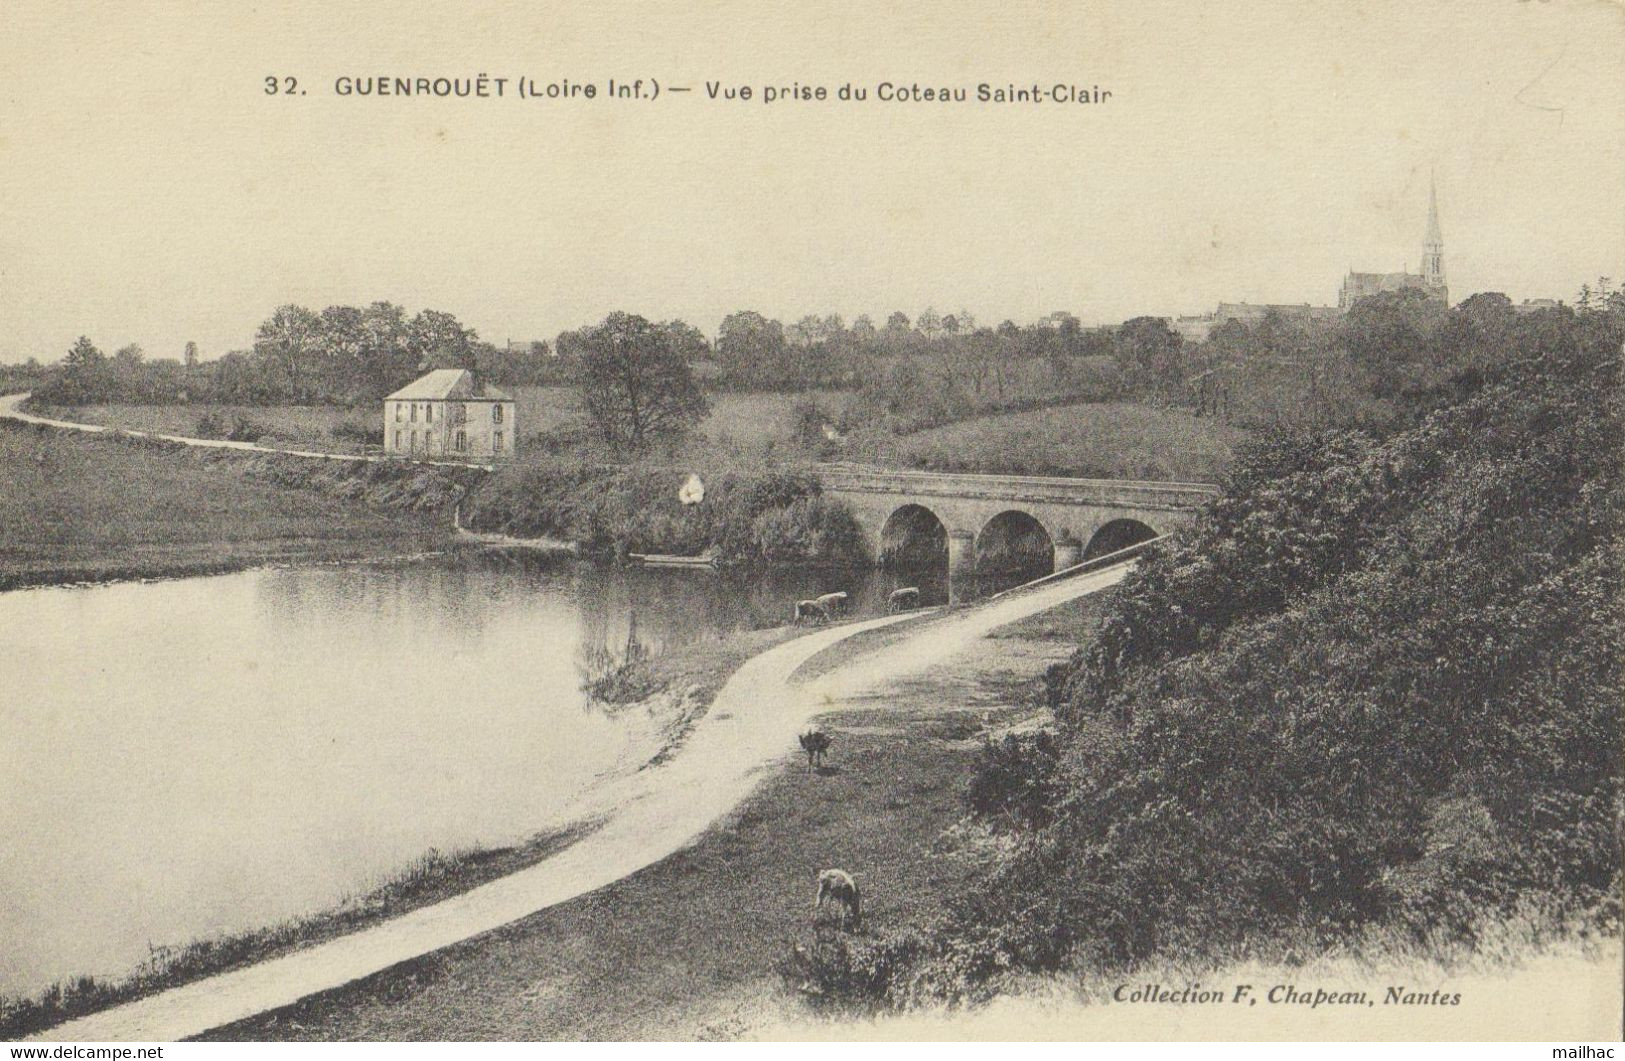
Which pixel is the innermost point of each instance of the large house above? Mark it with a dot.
(450, 413)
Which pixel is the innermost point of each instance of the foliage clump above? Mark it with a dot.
(745, 518)
(1374, 689)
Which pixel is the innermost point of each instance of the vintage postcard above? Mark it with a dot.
(774, 521)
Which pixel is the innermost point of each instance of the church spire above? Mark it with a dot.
(1433, 246)
(1433, 238)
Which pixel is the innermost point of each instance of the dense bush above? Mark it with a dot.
(1015, 779)
(242, 429)
(807, 530)
(211, 425)
(363, 434)
(745, 518)
(1376, 685)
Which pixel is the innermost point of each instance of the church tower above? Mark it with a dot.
(1433, 249)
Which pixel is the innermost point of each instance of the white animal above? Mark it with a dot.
(837, 886)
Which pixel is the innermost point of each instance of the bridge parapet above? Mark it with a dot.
(1031, 489)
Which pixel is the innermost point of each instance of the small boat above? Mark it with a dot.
(667, 560)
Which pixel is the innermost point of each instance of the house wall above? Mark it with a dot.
(430, 428)
(482, 426)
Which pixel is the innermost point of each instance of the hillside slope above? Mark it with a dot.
(1375, 690)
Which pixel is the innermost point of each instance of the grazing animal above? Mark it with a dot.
(815, 742)
(810, 611)
(837, 886)
(901, 600)
(834, 603)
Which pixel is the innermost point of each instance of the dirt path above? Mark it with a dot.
(648, 817)
(11, 409)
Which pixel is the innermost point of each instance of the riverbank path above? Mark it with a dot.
(11, 409)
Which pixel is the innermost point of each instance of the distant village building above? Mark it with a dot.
(1196, 329)
(1535, 305)
(1430, 280)
(450, 413)
(1193, 328)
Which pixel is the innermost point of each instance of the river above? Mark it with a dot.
(196, 757)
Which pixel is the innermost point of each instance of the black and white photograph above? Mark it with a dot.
(717, 521)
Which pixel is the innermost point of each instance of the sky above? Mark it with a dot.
(151, 192)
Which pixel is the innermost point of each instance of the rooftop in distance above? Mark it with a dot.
(444, 383)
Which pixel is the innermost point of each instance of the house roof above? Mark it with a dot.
(1387, 281)
(442, 383)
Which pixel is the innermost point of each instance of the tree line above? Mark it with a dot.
(352, 354)
(642, 379)
(341, 355)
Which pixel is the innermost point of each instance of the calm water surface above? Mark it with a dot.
(201, 756)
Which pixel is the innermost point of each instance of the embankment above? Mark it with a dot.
(81, 507)
(749, 515)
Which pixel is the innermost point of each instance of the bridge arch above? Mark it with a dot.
(1015, 540)
(1117, 534)
(913, 536)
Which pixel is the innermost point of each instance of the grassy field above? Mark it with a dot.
(746, 419)
(1109, 440)
(80, 508)
(290, 426)
(687, 948)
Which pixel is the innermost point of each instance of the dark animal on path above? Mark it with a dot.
(837, 886)
(901, 600)
(815, 742)
(810, 611)
(834, 603)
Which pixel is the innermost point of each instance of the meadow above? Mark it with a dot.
(1102, 440)
(80, 508)
(291, 426)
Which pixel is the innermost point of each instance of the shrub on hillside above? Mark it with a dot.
(245, 430)
(361, 434)
(810, 529)
(1014, 779)
(845, 974)
(1375, 685)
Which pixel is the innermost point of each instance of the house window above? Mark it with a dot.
(428, 413)
(462, 441)
(414, 416)
(414, 441)
(459, 413)
(496, 442)
(428, 441)
(496, 413)
(397, 432)
(400, 414)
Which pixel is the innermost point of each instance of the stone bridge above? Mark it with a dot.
(915, 516)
